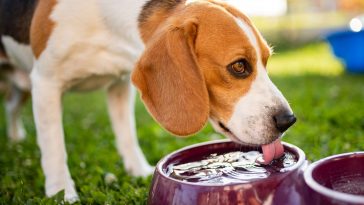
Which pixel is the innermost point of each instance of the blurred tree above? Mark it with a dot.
(351, 5)
(295, 6)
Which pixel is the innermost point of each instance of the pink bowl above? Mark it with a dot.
(337, 179)
(283, 188)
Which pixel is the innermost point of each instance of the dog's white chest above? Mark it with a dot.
(101, 43)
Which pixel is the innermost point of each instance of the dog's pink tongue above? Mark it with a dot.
(272, 151)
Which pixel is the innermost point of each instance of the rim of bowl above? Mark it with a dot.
(300, 161)
(351, 198)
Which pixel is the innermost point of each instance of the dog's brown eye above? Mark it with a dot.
(240, 68)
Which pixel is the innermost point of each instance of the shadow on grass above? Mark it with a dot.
(330, 120)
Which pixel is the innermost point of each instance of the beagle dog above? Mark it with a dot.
(191, 60)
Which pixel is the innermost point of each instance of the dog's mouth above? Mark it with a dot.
(273, 150)
(230, 134)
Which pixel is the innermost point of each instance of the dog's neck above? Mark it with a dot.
(141, 16)
(121, 16)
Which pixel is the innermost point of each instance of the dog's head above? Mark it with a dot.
(207, 61)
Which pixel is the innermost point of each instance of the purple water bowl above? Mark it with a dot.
(286, 187)
(336, 180)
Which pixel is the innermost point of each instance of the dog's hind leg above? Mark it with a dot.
(47, 109)
(14, 101)
(121, 97)
(16, 85)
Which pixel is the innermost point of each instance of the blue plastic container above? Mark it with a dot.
(348, 46)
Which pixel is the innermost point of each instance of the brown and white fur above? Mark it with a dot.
(177, 52)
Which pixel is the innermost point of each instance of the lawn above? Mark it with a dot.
(328, 104)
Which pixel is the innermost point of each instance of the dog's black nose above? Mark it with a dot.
(284, 121)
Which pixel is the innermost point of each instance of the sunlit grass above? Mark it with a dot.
(314, 59)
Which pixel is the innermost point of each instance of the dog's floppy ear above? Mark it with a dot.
(170, 81)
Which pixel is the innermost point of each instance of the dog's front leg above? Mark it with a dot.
(47, 110)
(121, 96)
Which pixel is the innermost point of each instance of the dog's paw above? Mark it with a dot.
(70, 193)
(66, 195)
(57, 186)
(17, 135)
(71, 198)
(52, 189)
(142, 171)
(62, 197)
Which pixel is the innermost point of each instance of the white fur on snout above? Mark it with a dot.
(252, 119)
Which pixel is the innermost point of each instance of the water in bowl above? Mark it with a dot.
(349, 183)
(232, 167)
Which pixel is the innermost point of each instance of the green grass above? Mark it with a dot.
(328, 104)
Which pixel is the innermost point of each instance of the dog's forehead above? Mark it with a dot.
(230, 28)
